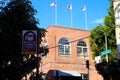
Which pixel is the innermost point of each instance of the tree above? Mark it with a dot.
(16, 16)
(97, 37)
(97, 40)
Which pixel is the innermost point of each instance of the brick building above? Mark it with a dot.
(69, 49)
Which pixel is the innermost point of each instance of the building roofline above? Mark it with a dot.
(66, 27)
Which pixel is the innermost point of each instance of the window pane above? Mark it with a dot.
(85, 52)
(61, 48)
(81, 43)
(67, 50)
(79, 50)
(63, 41)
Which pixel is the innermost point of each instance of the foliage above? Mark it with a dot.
(16, 16)
(98, 44)
(98, 34)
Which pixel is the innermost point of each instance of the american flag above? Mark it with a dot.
(83, 8)
(53, 4)
(69, 7)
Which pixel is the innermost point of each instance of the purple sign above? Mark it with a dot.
(29, 42)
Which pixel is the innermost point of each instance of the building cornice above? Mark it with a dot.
(67, 28)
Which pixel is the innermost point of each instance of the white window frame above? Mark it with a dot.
(82, 54)
(63, 53)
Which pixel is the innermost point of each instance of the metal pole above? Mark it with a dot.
(107, 78)
(56, 12)
(71, 17)
(106, 46)
(88, 70)
(38, 57)
(86, 18)
(88, 74)
(85, 11)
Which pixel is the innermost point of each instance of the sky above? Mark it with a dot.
(95, 12)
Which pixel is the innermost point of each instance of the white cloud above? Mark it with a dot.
(98, 21)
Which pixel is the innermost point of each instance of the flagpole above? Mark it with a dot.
(86, 19)
(69, 7)
(71, 17)
(85, 11)
(56, 13)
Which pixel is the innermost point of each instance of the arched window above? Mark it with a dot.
(64, 47)
(82, 49)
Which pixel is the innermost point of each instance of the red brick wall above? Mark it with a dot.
(73, 63)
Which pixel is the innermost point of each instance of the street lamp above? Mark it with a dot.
(107, 67)
(105, 43)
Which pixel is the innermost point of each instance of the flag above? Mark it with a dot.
(69, 7)
(53, 4)
(83, 8)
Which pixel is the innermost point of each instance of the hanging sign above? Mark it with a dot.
(98, 59)
(29, 41)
